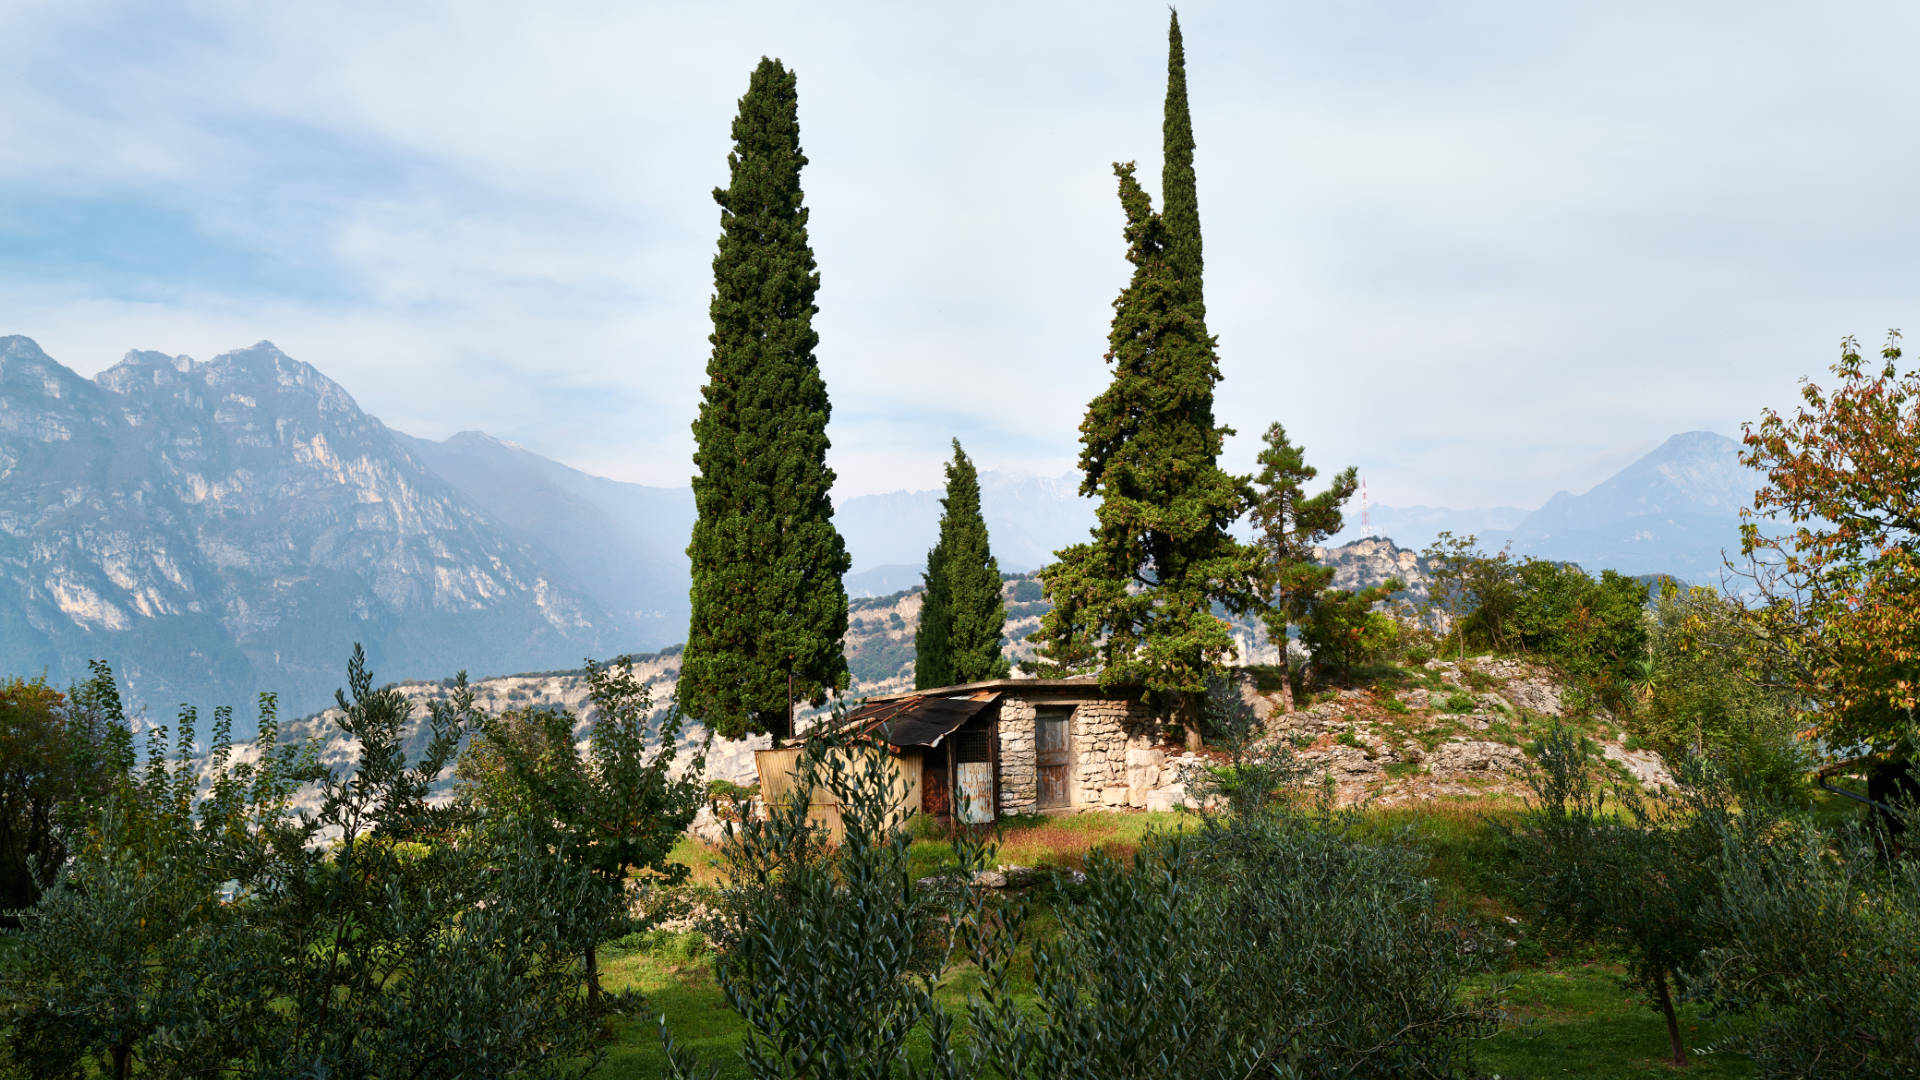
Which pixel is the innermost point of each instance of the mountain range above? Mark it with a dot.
(218, 528)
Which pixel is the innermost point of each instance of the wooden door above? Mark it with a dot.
(935, 797)
(1053, 756)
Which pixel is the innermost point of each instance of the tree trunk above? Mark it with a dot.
(1665, 1001)
(1189, 711)
(122, 1061)
(593, 976)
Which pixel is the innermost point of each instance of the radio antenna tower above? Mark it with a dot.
(1366, 518)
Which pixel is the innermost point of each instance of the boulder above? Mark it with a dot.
(1476, 757)
(1167, 799)
(1644, 766)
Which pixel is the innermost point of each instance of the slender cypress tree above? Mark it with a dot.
(1160, 557)
(1179, 191)
(963, 618)
(933, 637)
(768, 603)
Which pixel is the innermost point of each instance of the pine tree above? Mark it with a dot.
(1179, 191)
(963, 618)
(1160, 557)
(1291, 524)
(768, 603)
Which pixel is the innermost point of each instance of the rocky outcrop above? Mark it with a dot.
(1371, 561)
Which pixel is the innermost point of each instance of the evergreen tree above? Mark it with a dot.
(963, 617)
(1179, 191)
(1291, 524)
(768, 603)
(933, 637)
(1160, 557)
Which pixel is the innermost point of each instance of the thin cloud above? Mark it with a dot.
(1484, 253)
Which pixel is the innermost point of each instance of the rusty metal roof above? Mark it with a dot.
(1086, 686)
(919, 720)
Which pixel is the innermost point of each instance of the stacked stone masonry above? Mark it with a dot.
(1106, 737)
(1019, 779)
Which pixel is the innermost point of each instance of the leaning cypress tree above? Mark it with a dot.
(1138, 601)
(769, 609)
(963, 618)
(1160, 556)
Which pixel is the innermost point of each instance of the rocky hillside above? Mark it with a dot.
(215, 529)
(1443, 728)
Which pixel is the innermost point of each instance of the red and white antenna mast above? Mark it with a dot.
(1366, 519)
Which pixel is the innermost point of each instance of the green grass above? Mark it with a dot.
(1583, 1020)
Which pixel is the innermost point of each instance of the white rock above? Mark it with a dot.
(1166, 798)
(1645, 765)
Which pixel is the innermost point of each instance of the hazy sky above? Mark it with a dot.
(1484, 251)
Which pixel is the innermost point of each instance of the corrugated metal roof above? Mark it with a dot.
(920, 720)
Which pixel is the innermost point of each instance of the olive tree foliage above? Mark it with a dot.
(131, 958)
(1602, 861)
(828, 949)
(1815, 963)
(1271, 942)
(207, 929)
(617, 806)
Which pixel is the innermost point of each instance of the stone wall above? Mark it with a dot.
(1019, 778)
(1102, 733)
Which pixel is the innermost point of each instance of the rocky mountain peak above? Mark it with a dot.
(27, 372)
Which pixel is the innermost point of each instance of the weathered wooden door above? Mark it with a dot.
(935, 798)
(1053, 756)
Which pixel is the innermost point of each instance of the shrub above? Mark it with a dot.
(1816, 966)
(1697, 693)
(209, 933)
(1343, 631)
(1637, 878)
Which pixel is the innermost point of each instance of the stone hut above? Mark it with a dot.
(1021, 746)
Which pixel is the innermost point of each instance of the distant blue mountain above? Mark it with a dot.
(624, 544)
(1675, 511)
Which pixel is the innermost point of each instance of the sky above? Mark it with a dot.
(1485, 251)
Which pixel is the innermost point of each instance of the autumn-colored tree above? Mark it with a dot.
(1833, 541)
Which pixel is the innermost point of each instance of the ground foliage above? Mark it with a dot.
(1273, 941)
(204, 928)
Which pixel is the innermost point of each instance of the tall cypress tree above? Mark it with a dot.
(1179, 191)
(1160, 556)
(1138, 601)
(768, 603)
(962, 618)
(933, 637)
